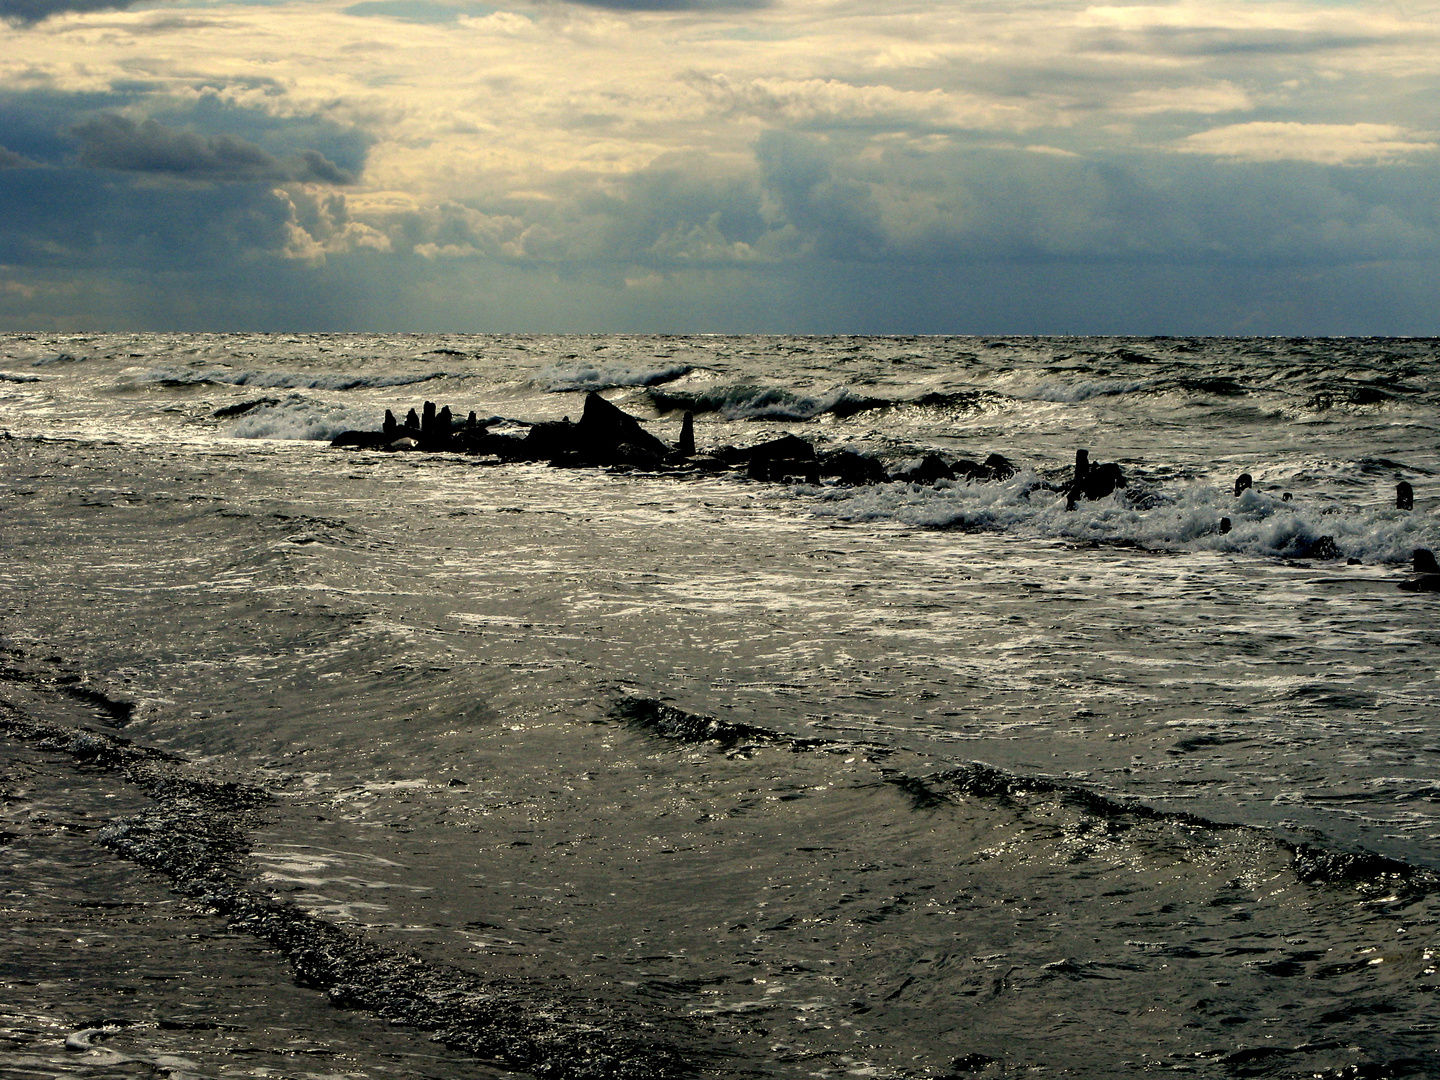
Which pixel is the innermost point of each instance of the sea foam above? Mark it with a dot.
(1186, 518)
(299, 418)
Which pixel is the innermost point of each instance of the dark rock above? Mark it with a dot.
(1322, 547)
(1000, 467)
(363, 440)
(852, 469)
(427, 419)
(547, 440)
(1225, 525)
(491, 445)
(931, 468)
(781, 471)
(1424, 583)
(1092, 481)
(412, 421)
(786, 448)
(442, 429)
(686, 445)
(1404, 496)
(1424, 560)
(603, 428)
(389, 426)
(1102, 480)
(1243, 483)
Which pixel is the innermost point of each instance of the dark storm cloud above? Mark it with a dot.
(965, 205)
(77, 219)
(30, 12)
(114, 142)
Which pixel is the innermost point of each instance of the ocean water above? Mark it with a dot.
(335, 763)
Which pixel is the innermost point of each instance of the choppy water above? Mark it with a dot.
(435, 663)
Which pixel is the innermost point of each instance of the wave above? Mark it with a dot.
(559, 378)
(748, 401)
(1346, 398)
(1310, 862)
(298, 418)
(1084, 390)
(6, 376)
(1185, 519)
(278, 380)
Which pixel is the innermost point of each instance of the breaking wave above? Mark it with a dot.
(1184, 519)
(747, 401)
(278, 380)
(558, 378)
(298, 418)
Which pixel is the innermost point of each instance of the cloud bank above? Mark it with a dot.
(796, 165)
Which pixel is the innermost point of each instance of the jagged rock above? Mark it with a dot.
(603, 428)
(412, 421)
(686, 445)
(389, 426)
(442, 429)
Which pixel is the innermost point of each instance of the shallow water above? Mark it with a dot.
(421, 656)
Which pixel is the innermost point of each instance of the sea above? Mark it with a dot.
(329, 763)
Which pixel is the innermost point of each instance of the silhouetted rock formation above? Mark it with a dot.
(608, 436)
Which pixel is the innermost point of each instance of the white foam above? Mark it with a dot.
(299, 418)
(1186, 518)
(1082, 390)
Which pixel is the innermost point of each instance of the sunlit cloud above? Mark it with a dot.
(1325, 144)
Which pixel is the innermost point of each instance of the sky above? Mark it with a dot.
(721, 166)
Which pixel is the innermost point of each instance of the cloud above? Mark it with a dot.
(790, 163)
(110, 141)
(963, 205)
(676, 5)
(11, 160)
(30, 12)
(1325, 144)
(812, 102)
